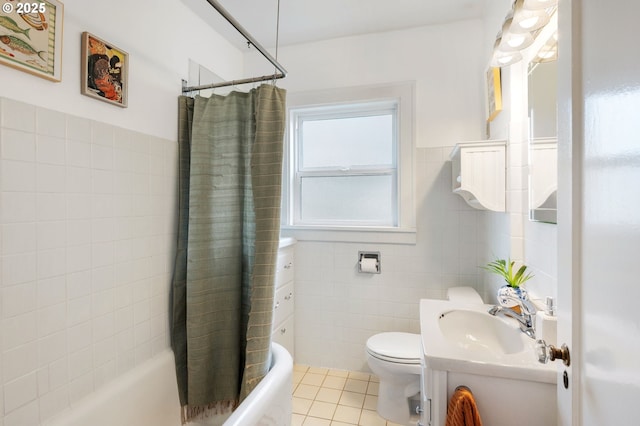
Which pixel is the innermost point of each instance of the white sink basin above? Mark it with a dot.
(465, 338)
(479, 331)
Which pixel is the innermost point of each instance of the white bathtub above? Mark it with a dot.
(148, 396)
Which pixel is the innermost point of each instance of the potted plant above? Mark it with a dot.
(509, 294)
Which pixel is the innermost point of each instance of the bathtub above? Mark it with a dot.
(148, 395)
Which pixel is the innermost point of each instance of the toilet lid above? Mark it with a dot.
(398, 347)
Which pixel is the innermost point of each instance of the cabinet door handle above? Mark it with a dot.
(288, 265)
(283, 330)
(277, 304)
(288, 297)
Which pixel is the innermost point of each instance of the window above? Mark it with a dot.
(345, 168)
(349, 162)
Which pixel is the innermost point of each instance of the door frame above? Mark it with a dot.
(570, 168)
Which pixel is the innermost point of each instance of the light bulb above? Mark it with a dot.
(529, 22)
(505, 59)
(526, 20)
(516, 41)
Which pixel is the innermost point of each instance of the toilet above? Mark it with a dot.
(395, 357)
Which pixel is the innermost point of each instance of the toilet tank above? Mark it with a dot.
(464, 294)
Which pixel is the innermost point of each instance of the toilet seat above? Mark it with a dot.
(396, 347)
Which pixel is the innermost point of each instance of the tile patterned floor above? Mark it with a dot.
(327, 397)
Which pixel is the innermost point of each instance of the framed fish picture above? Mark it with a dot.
(31, 36)
(105, 70)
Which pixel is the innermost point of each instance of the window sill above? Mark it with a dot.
(348, 234)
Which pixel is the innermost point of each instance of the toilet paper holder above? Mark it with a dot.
(369, 259)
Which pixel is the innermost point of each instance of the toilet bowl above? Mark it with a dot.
(395, 358)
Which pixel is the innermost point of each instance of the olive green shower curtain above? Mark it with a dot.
(228, 230)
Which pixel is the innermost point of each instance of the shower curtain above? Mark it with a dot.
(228, 231)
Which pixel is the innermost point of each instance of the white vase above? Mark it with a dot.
(510, 297)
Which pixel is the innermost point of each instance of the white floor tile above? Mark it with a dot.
(301, 405)
(331, 397)
(306, 391)
(338, 373)
(312, 379)
(323, 410)
(354, 385)
(297, 419)
(371, 418)
(314, 421)
(370, 402)
(334, 382)
(352, 399)
(347, 414)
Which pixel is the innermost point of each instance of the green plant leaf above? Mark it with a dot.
(505, 269)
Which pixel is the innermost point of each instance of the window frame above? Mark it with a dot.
(356, 110)
(403, 232)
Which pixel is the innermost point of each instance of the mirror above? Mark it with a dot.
(543, 158)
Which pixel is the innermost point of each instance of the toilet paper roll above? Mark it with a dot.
(369, 265)
(547, 328)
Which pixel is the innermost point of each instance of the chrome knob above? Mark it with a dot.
(548, 353)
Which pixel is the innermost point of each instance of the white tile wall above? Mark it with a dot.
(87, 224)
(338, 309)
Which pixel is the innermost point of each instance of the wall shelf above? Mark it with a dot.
(479, 174)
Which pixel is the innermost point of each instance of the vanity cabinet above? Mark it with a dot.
(283, 301)
(499, 400)
(479, 174)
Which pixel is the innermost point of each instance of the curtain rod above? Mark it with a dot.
(252, 41)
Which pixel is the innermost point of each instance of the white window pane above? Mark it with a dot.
(344, 199)
(348, 141)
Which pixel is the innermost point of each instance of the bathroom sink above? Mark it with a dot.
(465, 338)
(479, 331)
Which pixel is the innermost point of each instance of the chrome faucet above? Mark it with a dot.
(526, 318)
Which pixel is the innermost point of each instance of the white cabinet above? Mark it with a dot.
(479, 174)
(283, 301)
(492, 393)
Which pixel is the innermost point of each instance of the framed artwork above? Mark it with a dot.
(494, 93)
(104, 71)
(31, 37)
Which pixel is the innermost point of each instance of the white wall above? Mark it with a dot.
(445, 62)
(337, 309)
(160, 38)
(88, 236)
(88, 204)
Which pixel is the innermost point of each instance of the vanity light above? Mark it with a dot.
(520, 28)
